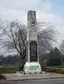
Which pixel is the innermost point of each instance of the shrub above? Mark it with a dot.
(2, 77)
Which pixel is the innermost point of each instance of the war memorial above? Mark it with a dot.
(32, 69)
(32, 63)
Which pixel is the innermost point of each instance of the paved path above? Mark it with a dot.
(20, 76)
(45, 81)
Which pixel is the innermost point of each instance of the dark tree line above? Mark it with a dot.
(53, 58)
(10, 60)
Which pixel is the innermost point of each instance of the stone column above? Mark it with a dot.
(31, 37)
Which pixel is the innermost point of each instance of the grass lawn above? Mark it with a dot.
(59, 66)
(8, 69)
(54, 67)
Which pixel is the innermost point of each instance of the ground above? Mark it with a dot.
(21, 76)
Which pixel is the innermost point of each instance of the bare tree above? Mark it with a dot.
(16, 34)
(16, 39)
(46, 37)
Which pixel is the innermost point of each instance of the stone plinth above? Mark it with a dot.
(32, 67)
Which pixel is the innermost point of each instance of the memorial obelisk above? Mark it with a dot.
(31, 37)
(31, 43)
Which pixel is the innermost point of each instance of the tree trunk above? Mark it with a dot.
(22, 62)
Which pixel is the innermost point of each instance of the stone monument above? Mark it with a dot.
(32, 64)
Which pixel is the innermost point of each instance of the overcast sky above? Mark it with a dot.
(47, 10)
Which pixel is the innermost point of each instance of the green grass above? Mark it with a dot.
(59, 66)
(52, 67)
(8, 69)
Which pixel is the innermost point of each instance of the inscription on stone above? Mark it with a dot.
(33, 51)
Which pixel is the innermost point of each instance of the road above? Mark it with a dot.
(44, 81)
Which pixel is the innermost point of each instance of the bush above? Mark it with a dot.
(55, 69)
(2, 77)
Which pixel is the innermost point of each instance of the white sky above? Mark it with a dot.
(47, 10)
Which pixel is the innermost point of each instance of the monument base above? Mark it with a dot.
(32, 67)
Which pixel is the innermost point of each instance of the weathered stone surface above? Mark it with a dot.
(31, 37)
